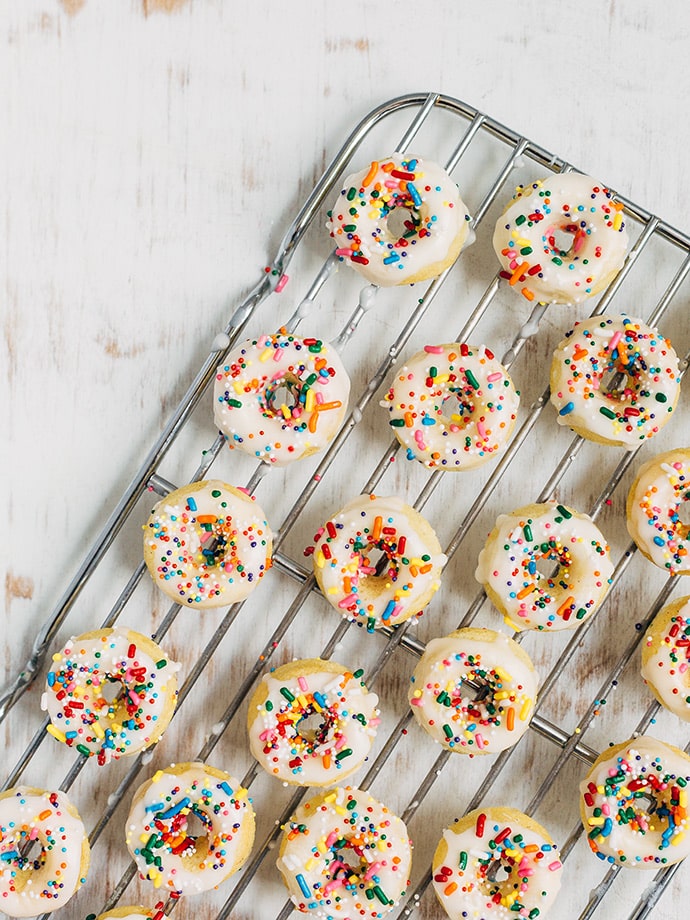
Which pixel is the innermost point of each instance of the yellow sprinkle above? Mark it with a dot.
(417, 694)
(442, 378)
(310, 400)
(339, 810)
(238, 387)
(504, 675)
(286, 412)
(595, 822)
(617, 221)
(523, 242)
(330, 798)
(526, 706)
(98, 731)
(676, 839)
(302, 700)
(309, 864)
(156, 776)
(332, 591)
(501, 695)
(320, 559)
(116, 727)
(683, 798)
(56, 733)
(57, 656)
(265, 354)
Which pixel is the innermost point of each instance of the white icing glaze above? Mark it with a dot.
(323, 755)
(118, 660)
(207, 544)
(389, 246)
(280, 398)
(648, 380)
(526, 871)
(347, 545)
(348, 833)
(133, 913)
(653, 505)
(563, 537)
(666, 658)
(157, 825)
(544, 217)
(452, 406)
(40, 882)
(620, 788)
(452, 711)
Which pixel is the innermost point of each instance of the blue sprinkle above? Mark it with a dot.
(393, 257)
(388, 612)
(414, 194)
(226, 788)
(659, 541)
(303, 885)
(321, 699)
(567, 409)
(192, 504)
(175, 810)
(427, 420)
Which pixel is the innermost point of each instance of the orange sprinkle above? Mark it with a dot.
(378, 524)
(44, 815)
(409, 422)
(369, 178)
(326, 760)
(520, 270)
(206, 519)
(568, 602)
(510, 719)
(525, 591)
(449, 889)
(313, 419)
(527, 294)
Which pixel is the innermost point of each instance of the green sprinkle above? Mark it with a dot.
(580, 613)
(288, 696)
(236, 404)
(557, 261)
(660, 397)
(433, 372)
(351, 805)
(472, 380)
(397, 422)
(527, 530)
(520, 219)
(350, 228)
(463, 860)
(82, 748)
(563, 511)
(269, 706)
(161, 664)
(359, 673)
(607, 412)
(526, 250)
(381, 896)
(343, 754)
(351, 193)
(448, 731)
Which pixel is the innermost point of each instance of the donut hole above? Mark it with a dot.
(402, 222)
(456, 409)
(565, 241)
(111, 690)
(475, 689)
(213, 543)
(30, 858)
(313, 728)
(647, 803)
(550, 568)
(616, 383)
(352, 860)
(683, 516)
(499, 872)
(191, 832)
(283, 394)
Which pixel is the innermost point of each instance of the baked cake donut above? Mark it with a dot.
(551, 532)
(83, 711)
(344, 854)
(636, 403)
(377, 561)
(474, 691)
(399, 220)
(561, 239)
(653, 510)
(634, 804)
(496, 863)
(158, 830)
(280, 397)
(453, 407)
(666, 657)
(207, 544)
(312, 722)
(39, 877)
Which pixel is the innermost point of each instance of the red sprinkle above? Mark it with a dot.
(481, 821)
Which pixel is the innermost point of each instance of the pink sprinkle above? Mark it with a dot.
(346, 601)
(556, 864)
(454, 428)
(277, 352)
(263, 340)
(331, 839)
(481, 430)
(416, 701)
(339, 742)
(391, 183)
(433, 349)
(281, 283)
(615, 339)
(492, 378)
(318, 397)
(372, 870)
(333, 884)
(344, 252)
(677, 466)
(303, 685)
(419, 438)
(579, 242)
(479, 739)
(264, 735)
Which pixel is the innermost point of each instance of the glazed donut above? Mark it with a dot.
(644, 362)
(158, 825)
(653, 506)
(543, 218)
(207, 544)
(32, 881)
(665, 655)
(132, 913)
(280, 398)
(452, 406)
(82, 712)
(507, 567)
(349, 571)
(399, 221)
(312, 722)
(343, 854)
(474, 691)
(496, 862)
(634, 804)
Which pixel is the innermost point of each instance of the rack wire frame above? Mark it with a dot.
(567, 744)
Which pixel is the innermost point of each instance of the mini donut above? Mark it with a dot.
(343, 854)
(653, 510)
(84, 714)
(377, 561)
(133, 913)
(496, 863)
(158, 830)
(474, 691)
(207, 544)
(32, 880)
(508, 567)
(452, 406)
(281, 398)
(634, 804)
(666, 657)
(399, 221)
(644, 368)
(561, 239)
(312, 722)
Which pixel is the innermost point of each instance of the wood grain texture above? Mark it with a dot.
(154, 155)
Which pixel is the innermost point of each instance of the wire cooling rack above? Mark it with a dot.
(591, 692)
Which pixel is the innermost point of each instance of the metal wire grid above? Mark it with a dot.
(148, 477)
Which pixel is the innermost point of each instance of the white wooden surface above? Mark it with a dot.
(154, 152)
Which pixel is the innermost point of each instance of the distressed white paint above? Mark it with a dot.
(150, 164)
